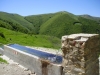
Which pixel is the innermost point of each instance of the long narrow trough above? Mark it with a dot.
(48, 56)
(42, 63)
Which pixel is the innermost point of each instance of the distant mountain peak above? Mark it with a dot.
(55, 24)
(90, 17)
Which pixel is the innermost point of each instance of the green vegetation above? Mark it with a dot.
(29, 40)
(2, 35)
(89, 26)
(2, 60)
(62, 23)
(54, 24)
(38, 20)
(59, 25)
(44, 30)
(15, 22)
(91, 17)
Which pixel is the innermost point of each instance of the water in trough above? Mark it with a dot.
(54, 58)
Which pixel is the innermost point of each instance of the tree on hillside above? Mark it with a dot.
(2, 35)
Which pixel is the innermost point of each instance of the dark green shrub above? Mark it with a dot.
(2, 35)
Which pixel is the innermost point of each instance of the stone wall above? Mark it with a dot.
(80, 54)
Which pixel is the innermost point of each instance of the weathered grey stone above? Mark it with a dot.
(80, 54)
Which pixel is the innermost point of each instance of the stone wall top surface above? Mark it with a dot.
(78, 36)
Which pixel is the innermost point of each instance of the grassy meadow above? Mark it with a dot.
(29, 40)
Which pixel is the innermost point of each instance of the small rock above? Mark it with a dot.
(26, 69)
(32, 72)
(17, 63)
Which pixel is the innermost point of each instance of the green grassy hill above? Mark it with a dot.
(44, 29)
(29, 40)
(91, 17)
(59, 25)
(62, 23)
(38, 20)
(15, 22)
(53, 24)
(89, 26)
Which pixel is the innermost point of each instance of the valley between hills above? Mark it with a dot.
(44, 30)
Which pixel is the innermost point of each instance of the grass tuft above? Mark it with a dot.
(3, 61)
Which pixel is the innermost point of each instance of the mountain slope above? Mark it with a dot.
(62, 23)
(89, 26)
(53, 24)
(38, 20)
(29, 40)
(15, 20)
(58, 25)
(91, 17)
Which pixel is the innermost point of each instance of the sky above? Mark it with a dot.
(35, 7)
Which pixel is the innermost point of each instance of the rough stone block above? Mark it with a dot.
(81, 52)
